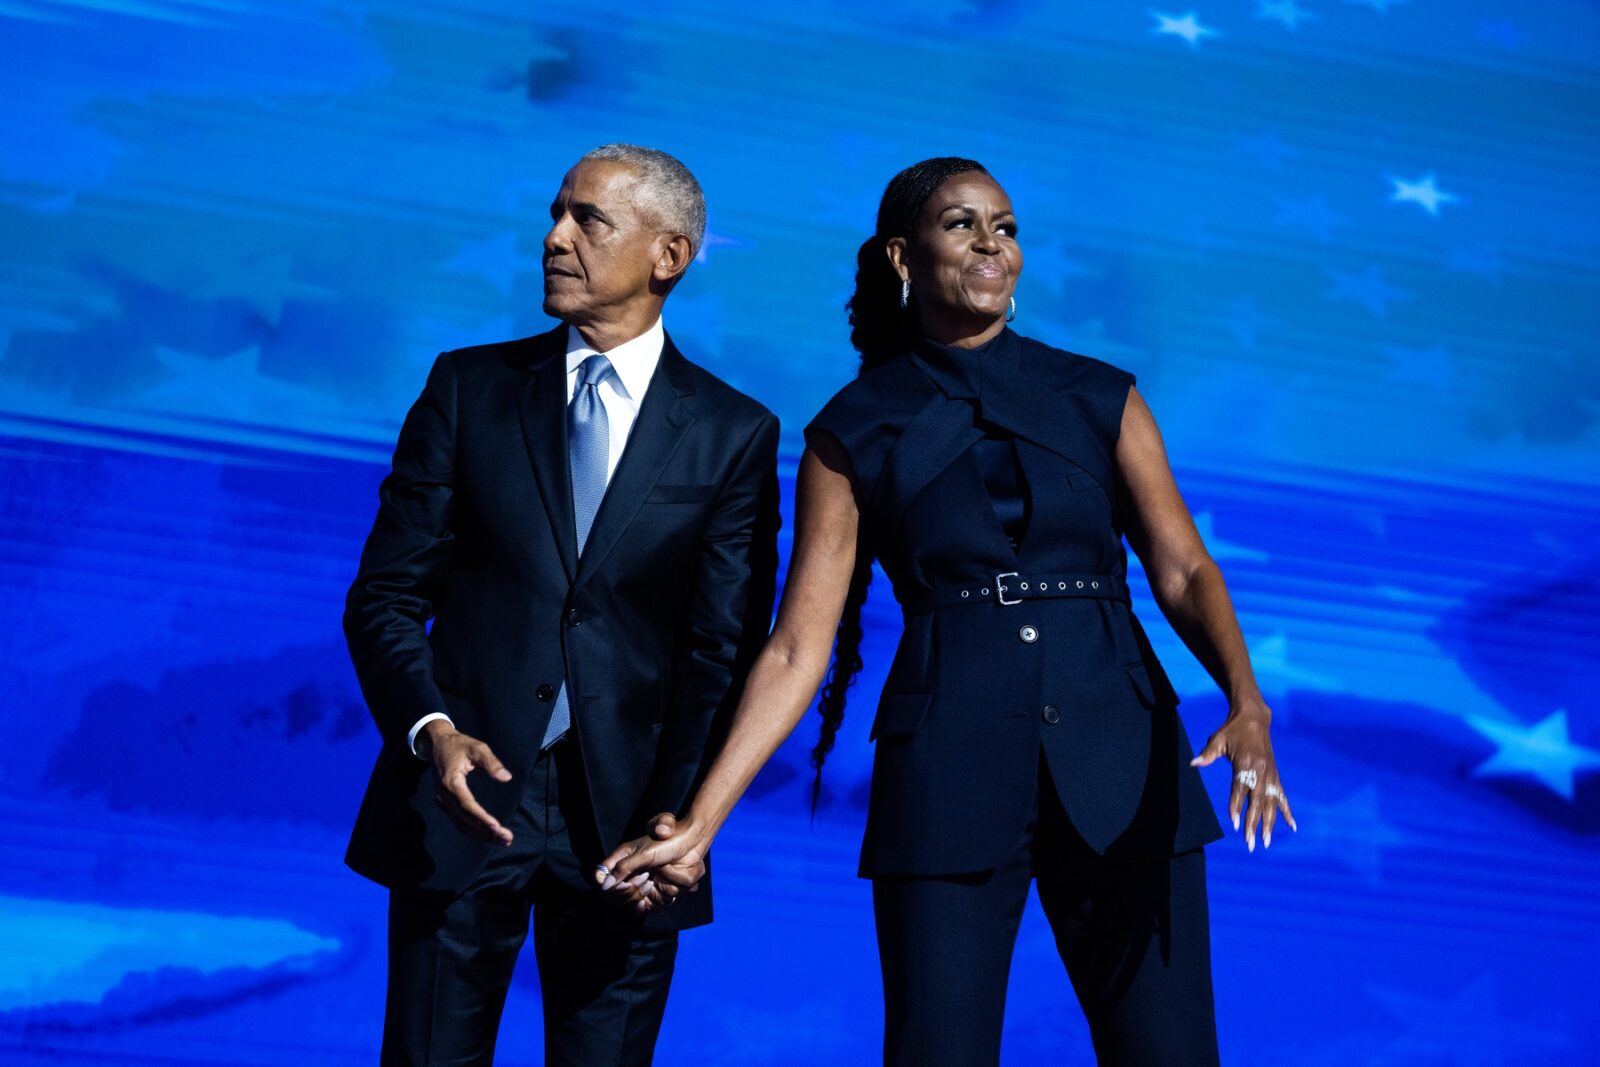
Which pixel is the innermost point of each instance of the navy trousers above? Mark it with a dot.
(1134, 937)
(451, 957)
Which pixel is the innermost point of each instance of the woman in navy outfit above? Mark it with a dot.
(1026, 730)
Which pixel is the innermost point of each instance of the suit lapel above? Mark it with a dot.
(542, 409)
(657, 431)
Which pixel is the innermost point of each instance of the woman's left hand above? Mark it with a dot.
(1246, 740)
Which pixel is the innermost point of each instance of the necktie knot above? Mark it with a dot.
(594, 370)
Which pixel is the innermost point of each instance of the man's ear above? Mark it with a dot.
(673, 253)
(896, 248)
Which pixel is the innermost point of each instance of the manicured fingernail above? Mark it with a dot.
(663, 828)
(1266, 839)
(609, 882)
(641, 906)
(640, 878)
(1236, 822)
(1250, 842)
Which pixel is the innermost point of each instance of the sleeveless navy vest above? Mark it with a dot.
(991, 667)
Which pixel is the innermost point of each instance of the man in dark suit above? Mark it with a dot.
(590, 521)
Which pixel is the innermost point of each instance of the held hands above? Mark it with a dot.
(670, 861)
(1244, 738)
(455, 755)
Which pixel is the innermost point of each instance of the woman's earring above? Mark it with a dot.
(905, 292)
(1011, 312)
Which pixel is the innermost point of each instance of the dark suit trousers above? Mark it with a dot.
(1134, 937)
(451, 957)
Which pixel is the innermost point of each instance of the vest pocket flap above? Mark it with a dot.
(1141, 683)
(901, 712)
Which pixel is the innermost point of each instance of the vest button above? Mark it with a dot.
(1051, 714)
(574, 617)
(1028, 634)
(546, 693)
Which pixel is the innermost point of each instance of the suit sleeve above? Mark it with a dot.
(403, 564)
(726, 625)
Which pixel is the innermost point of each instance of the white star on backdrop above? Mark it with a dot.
(230, 387)
(1484, 261)
(1288, 12)
(1542, 752)
(1367, 289)
(1205, 523)
(497, 260)
(1502, 32)
(1465, 1028)
(1352, 831)
(1244, 320)
(1265, 147)
(1432, 365)
(1186, 26)
(1311, 214)
(1275, 674)
(1423, 192)
(1270, 657)
(711, 240)
(1049, 262)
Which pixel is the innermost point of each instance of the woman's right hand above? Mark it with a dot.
(672, 856)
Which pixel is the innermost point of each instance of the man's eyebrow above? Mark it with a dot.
(581, 205)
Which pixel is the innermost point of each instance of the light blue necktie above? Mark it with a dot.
(588, 449)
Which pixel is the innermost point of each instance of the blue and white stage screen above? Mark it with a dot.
(1350, 247)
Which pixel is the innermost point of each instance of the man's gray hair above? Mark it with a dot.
(666, 188)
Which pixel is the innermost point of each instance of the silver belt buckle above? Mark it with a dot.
(1000, 588)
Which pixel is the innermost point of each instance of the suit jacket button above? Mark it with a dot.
(1028, 634)
(1051, 715)
(546, 693)
(574, 617)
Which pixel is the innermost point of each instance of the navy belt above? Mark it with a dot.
(1012, 587)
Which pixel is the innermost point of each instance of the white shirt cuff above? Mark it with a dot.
(411, 738)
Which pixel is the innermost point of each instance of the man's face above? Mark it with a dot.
(601, 251)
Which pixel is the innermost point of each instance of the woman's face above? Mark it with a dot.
(962, 258)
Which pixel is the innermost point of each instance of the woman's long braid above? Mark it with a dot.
(842, 671)
(881, 330)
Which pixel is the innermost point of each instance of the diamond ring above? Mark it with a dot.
(1248, 778)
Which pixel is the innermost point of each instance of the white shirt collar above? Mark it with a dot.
(634, 361)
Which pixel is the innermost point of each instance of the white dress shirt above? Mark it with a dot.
(621, 393)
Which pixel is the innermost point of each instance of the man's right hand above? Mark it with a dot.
(454, 756)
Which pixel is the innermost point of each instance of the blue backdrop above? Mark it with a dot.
(1349, 247)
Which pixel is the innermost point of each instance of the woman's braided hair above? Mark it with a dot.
(881, 330)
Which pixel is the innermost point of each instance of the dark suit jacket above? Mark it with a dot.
(652, 629)
(978, 688)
